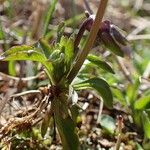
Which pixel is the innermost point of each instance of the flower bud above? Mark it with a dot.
(110, 36)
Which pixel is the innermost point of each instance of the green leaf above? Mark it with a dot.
(101, 86)
(119, 95)
(138, 147)
(3, 37)
(146, 144)
(55, 55)
(146, 124)
(23, 55)
(68, 46)
(60, 31)
(102, 64)
(65, 125)
(49, 15)
(108, 123)
(57, 58)
(28, 54)
(11, 68)
(45, 124)
(47, 49)
(78, 18)
(137, 118)
(75, 113)
(16, 49)
(132, 91)
(142, 102)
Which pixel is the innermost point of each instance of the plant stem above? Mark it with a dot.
(90, 41)
(120, 126)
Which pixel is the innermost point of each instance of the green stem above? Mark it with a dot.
(49, 16)
(90, 41)
(3, 36)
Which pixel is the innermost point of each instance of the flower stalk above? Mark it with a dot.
(90, 41)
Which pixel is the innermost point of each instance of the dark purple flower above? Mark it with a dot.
(108, 34)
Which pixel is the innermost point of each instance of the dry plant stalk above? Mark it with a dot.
(38, 13)
(90, 41)
(120, 127)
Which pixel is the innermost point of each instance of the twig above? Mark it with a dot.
(120, 126)
(100, 111)
(23, 79)
(139, 37)
(88, 7)
(140, 24)
(138, 4)
(37, 121)
(146, 79)
(3, 103)
(26, 92)
(90, 41)
(101, 105)
(124, 70)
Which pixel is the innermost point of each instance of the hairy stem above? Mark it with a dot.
(80, 34)
(87, 6)
(120, 127)
(90, 41)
